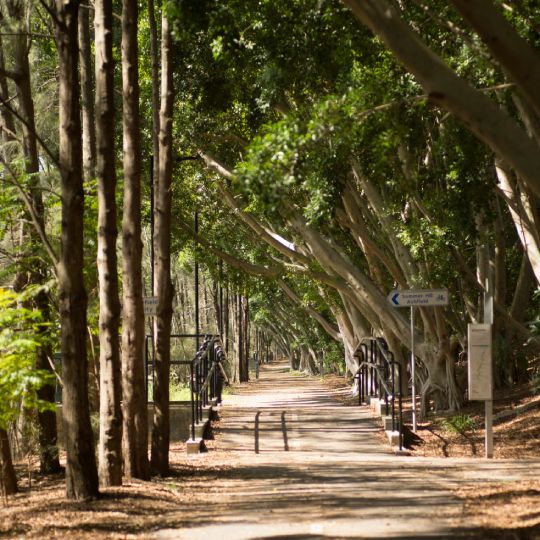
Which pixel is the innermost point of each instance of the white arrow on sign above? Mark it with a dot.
(418, 297)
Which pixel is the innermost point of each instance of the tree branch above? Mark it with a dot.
(446, 89)
(248, 219)
(32, 211)
(6, 104)
(331, 330)
(239, 264)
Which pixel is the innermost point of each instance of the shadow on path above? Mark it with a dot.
(298, 464)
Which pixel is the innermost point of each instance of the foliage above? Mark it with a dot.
(19, 340)
(460, 423)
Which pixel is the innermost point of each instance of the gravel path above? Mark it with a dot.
(300, 465)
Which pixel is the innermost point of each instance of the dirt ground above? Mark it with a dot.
(135, 509)
(512, 510)
(138, 509)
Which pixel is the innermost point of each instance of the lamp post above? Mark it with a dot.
(197, 329)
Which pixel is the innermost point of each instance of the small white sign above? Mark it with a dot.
(150, 305)
(479, 360)
(418, 297)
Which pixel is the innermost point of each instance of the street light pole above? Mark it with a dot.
(197, 329)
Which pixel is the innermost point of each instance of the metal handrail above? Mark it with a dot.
(382, 381)
(377, 378)
(203, 373)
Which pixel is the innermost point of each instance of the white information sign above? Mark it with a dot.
(150, 305)
(418, 297)
(479, 360)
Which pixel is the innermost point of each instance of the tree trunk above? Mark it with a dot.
(7, 125)
(49, 461)
(110, 414)
(135, 432)
(87, 95)
(523, 215)
(244, 342)
(226, 321)
(235, 339)
(81, 471)
(9, 478)
(163, 285)
(154, 54)
(47, 437)
(7, 128)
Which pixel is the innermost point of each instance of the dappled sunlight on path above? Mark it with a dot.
(297, 464)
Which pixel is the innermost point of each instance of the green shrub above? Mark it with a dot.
(19, 341)
(460, 423)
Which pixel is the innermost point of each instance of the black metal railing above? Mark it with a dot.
(206, 373)
(376, 377)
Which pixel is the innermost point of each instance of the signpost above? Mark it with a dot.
(479, 362)
(480, 357)
(150, 305)
(413, 298)
(418, 297)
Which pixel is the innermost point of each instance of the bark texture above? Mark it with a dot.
(135, 417)
(110, 415)
(163, 284)
(9, 478)
(87, 95)
(81, 470)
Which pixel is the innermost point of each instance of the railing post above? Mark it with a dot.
(212, 384)
(191, 376)
(364, 349)
(361, 378)
(371, 360)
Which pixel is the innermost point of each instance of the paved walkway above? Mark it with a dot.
(305, 467)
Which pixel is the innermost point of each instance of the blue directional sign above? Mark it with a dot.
(418, 297)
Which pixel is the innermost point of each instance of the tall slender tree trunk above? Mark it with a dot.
(81, 470)
(7, 130)
(234, 338)
(135, 432)
(154, 54)
(87, 95)
(7, 125)
(110, 414)
(7, 471)
(163, 284)
(47, 436)
(87, 75)
(245, 334)
(226, 321)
